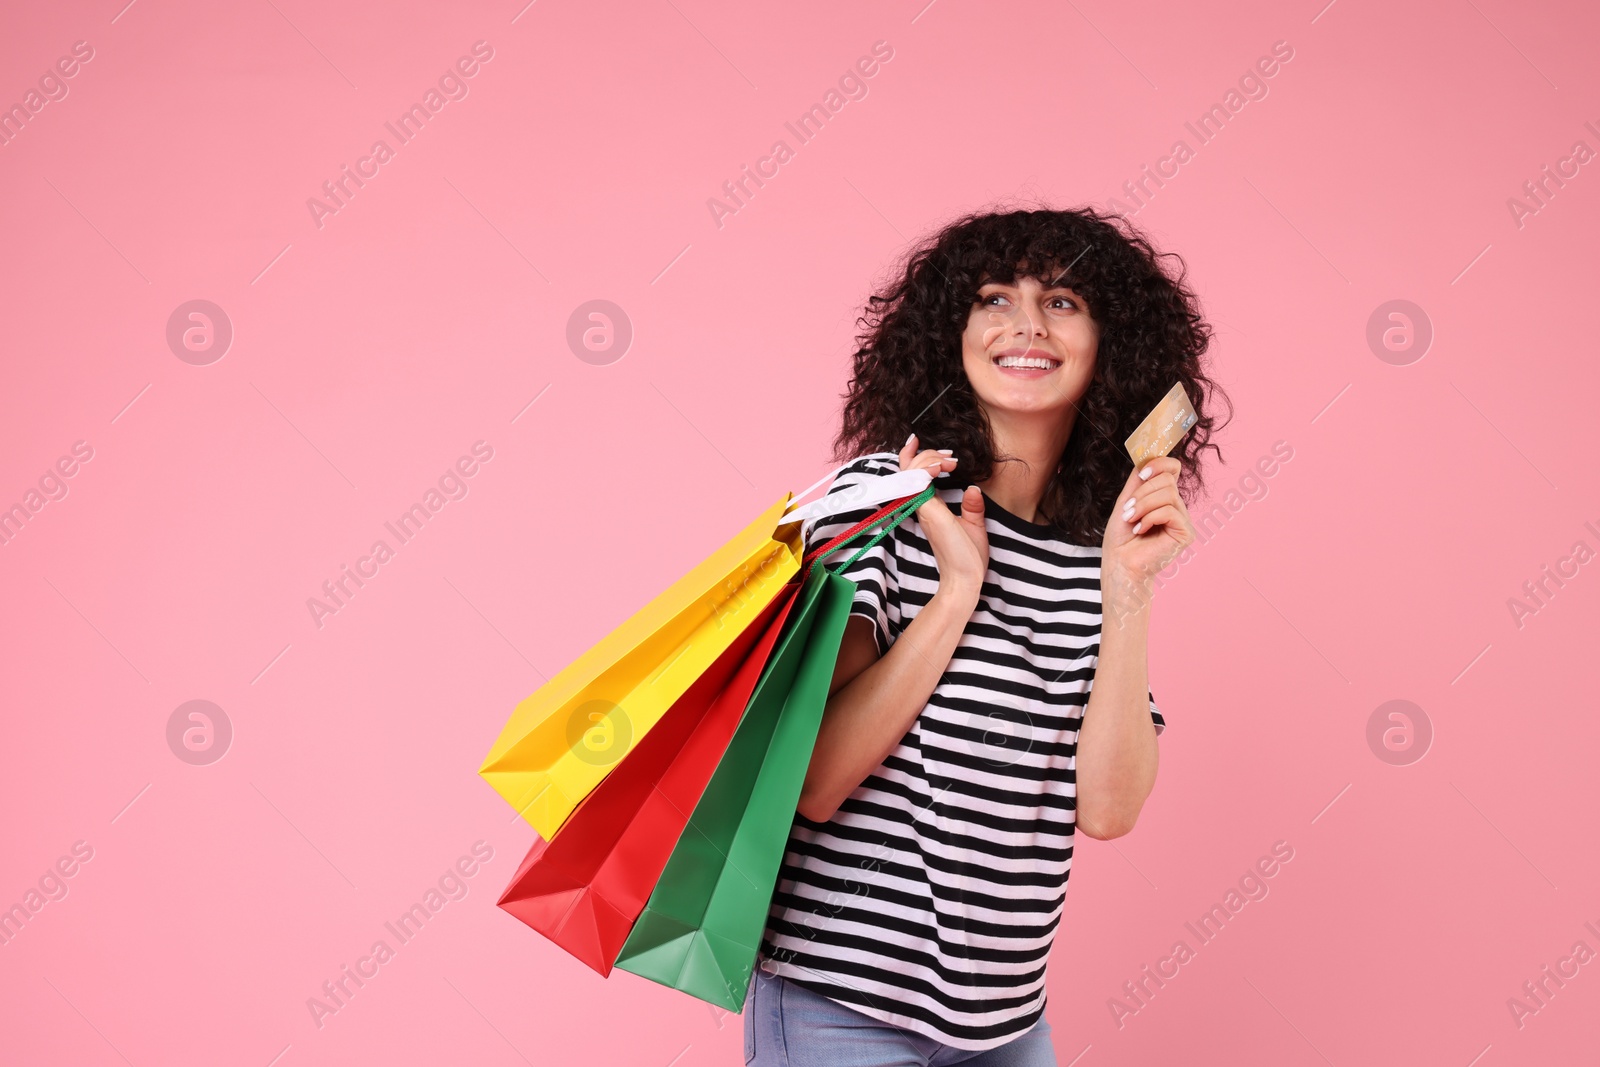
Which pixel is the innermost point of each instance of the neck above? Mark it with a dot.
(1038, 440)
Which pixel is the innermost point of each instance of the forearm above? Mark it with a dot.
(866, 718)
(1117, 750)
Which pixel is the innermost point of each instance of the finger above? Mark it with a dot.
(935, 461)
(1159, 465)
(972, 506)
(933, 512)
(1129, 484)
(1156, 479)
(940, 462)
(1137, 487)
(1165, 515)
(1147, 500)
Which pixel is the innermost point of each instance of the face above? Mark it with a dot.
(1029, 348)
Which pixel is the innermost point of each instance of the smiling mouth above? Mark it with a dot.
(1032, 361)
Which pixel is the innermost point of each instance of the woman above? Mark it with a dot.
(979, 716)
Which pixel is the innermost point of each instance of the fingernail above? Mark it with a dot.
(910, 438)
(1139, 527)
(1144, 474)
(946, 451)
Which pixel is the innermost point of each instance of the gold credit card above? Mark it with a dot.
(1162, 428)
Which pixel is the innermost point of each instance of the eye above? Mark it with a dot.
(985, 301)
(1065, 301)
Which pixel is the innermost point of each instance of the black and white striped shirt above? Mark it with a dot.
(930, 899)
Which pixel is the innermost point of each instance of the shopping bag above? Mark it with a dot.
(584, 889)
(568, 735)
(700, 931)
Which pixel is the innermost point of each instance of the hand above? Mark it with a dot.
(960, 545)
(1148, 527)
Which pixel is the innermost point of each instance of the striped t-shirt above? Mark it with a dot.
(930, 899)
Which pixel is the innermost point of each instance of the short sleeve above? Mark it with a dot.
(1155, 715)
(874, 574)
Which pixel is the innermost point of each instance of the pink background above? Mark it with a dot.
(370, 353)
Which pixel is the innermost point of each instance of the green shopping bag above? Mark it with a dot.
(701, 929)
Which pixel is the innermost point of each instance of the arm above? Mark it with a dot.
(873, 700)
(1117, 752)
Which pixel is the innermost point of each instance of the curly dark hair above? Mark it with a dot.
(907, 373)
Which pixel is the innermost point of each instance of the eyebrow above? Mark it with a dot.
(1047, 286)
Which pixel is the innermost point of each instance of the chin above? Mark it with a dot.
(1030, 398)
(1053, 405)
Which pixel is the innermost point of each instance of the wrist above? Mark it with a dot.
(963, 592)
(1123, 618)
(1124, 594)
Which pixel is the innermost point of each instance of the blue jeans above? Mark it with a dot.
(787, 1025)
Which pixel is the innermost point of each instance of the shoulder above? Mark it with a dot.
(861, 470)
(874, 465)
(841, 516)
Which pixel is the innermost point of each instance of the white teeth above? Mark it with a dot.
(1034, 362)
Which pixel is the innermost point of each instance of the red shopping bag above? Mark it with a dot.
(585, 888)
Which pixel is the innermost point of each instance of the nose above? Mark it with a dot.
(1034, 323)
(1020, 320)
(1016, 321)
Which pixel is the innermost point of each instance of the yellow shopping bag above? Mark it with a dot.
(565, 738)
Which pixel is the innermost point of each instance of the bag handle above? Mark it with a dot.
(794, 501)
(892, 515)
(882, 513)
(869, 492)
